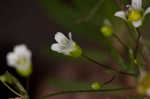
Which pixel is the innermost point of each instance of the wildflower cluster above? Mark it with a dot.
(21, 57)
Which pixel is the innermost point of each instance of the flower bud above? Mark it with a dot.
(106, 31)
(96, 85)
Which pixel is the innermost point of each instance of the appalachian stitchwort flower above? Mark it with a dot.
(144, 83)
(20, 59)
(135, 13)
(66, 46)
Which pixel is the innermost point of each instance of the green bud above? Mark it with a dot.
(134, 15)
(77, 52)
(96, 85)
(106, 31)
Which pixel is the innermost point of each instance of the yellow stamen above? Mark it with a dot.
(134, 15)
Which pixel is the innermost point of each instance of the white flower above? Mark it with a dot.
(144, 83)
(20, 59)
(134, 14)
(66, 46)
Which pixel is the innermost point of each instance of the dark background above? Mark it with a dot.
(24, 21)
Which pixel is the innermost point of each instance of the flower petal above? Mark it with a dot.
(137, 23)
(148, 92)
(22, 50)
(61, 38)
(70, 36)
(56, 47)
(121, 14)
(11, 59)
(137, 4)
(147, 11)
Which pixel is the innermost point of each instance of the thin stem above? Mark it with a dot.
(121, 5)
(121, 42)
(136, 50)
(137, 43)
(107, 67)
(109, 81)
(85, 91)
(16, 93)
(92, 12)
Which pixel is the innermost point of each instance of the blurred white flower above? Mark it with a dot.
(66, 46)
(20, 59)
(144, 83)
(134, 14)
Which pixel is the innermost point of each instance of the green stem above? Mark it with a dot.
(107, 67)
(136, 50)
(92, 12)
(85, 91)
(121, 42)
(137, 42)
(16, 93)
(109, 81)
(121, 5)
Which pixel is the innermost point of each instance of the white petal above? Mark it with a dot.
(56, 47)
(70, 36)
(142, 75)
(22, 50)
(137, 23)
(129, 7)
(11, 59)
(147, 11)
(121, 14)
(61, 38)
(148, 92)
(137, 4)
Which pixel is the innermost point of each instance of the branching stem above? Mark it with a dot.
(137, 42)
(121, 42)
(86, 91)
(109, 81)
(107, 67)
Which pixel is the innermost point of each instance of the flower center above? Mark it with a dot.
(134, 15)
(21, 61)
